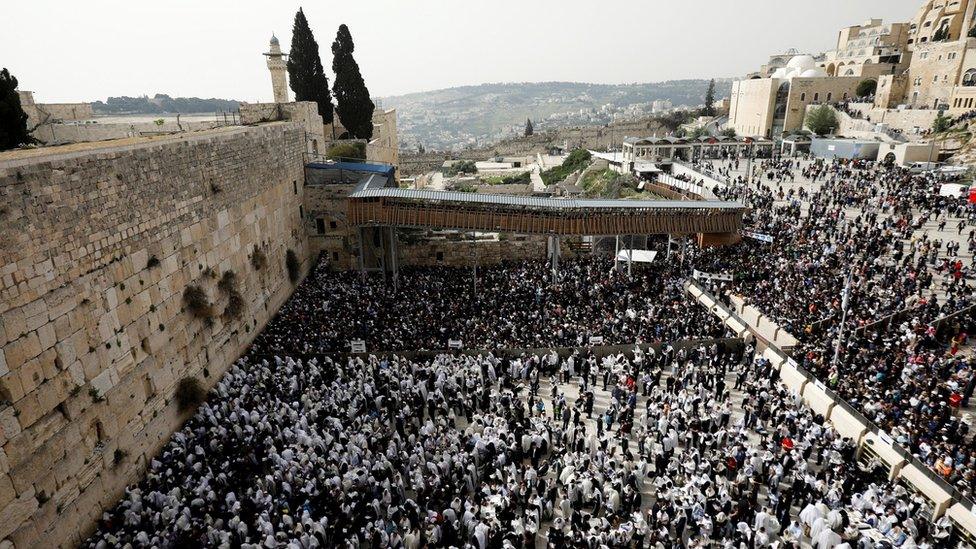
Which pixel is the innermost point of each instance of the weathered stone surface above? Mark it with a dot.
(93, 336)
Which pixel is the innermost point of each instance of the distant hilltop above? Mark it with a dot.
(163, 104)
(466, 116)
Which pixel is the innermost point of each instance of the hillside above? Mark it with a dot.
(454, 118)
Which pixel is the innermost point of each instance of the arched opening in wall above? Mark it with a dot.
(343, 135)
(889, 159)
(969, 78)
(782, 96)
(315, 146)
(831, 69)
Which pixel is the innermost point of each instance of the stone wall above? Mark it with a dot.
(463, 253)
(97, 244)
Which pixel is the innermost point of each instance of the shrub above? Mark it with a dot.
(228, 282)
(235, 306)
(196, 302)
(258, 259)
(189, 393)
(821, 120)
(351, 150)
(153, 262)
(119, 456)
(293, 265)
(866, 88)
(461, 166)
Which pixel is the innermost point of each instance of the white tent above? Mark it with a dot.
(640, 256)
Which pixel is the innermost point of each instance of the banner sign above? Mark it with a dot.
(454, 344)
(357, 346)
(699, 275)
(596, 340)
(758, 236)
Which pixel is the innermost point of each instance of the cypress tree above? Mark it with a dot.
(529, 130)
(709, 109)
(305, 73)
(13, 119)
(353, 103)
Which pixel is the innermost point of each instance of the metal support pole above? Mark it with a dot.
(382, 254)
(616, 252)
(555, 255)
(362, 254)
(394, 259)
(474, 266)
(630, 255)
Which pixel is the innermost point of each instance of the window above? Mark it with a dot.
(816, 96)
(333, 224)
(969, 78)
(320, 226)
(829, 95)
(803, 97)
(335, 256)
(440, 256)
(935, 79)
(294, 185)
(924, 55)
(301, 212)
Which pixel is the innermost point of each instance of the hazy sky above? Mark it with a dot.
(86, 50)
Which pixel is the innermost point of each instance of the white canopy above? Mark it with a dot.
(640, 256)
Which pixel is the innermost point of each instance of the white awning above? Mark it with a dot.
(646, 167)
(639, 256)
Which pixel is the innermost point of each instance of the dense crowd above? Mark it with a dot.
(864, 227)
(482, 452)
(518, 305)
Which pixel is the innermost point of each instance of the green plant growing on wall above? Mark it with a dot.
(866, 88)
(235, 301)
(189, 394)
(293, 265)
(258, 259)
(196, 301)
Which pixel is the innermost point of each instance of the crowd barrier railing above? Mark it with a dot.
(873, 443)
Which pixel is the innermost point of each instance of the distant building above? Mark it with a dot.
(869, 50)
(769, 107)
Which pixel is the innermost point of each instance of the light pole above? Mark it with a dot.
(845, 301)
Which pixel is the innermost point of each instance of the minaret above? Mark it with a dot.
(278, 68)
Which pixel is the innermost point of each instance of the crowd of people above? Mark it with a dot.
(868, 228)
(690, 446)
(513, 305)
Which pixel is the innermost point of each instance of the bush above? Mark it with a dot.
(152, 263)
(293, 265)
(941, 124)
(461, 166)
(350, 150)
(866, 88)
(728, 132)
(196, 302)
(258, 259)
(821, 120)
(189, 393)
(228, 282)
(235, 306)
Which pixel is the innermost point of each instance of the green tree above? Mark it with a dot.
(700, 131)
(942, 123)
(354, 105)
(866, 88)
(305, 73)
(13, 119)
(709, 108)
(673, 120)
(528, 127)
(821, 120)
(728, 132)
(347, 150)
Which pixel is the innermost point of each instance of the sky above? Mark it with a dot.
(67, 51)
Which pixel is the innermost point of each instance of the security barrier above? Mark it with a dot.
(874, 445)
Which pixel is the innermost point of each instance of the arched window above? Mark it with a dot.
(969, 79)
(803, 97)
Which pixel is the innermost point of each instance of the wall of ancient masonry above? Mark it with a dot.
(97, 245)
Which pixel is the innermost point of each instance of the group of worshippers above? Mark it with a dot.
(697, 447)
(514, 305)
(873, 230)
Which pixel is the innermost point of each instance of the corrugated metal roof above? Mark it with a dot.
(538, 202)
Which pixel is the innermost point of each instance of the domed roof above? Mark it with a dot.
(815, 72)
(274, 40)
(802, 63)
(782, 73)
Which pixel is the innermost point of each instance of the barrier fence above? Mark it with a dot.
(872, 442)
